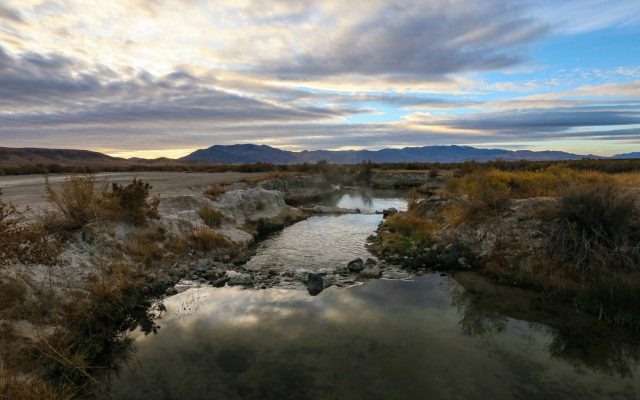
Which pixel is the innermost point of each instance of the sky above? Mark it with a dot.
(152, 78)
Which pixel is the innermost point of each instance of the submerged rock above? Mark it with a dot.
(315, 283)
(370, 273)
(370, 262)
(356, 265)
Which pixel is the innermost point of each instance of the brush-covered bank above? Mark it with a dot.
(573, 235)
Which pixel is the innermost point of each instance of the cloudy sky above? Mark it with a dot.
(164, 77)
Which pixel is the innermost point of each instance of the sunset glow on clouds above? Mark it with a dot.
(154, 78)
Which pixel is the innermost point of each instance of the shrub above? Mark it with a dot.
(364, 172)
(25, 242)
(214, 191)
(212, 217)
(487, 193)
(76, 199)
(413, 198)
(598, 226)
(134, 201)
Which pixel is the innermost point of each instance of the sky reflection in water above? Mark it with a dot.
(383, 340)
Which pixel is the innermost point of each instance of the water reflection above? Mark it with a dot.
(368, 200)
(388, 339)
(578, 339)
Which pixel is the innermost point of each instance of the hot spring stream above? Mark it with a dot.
(425, 338)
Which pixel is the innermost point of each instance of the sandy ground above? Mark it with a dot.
(29, 190)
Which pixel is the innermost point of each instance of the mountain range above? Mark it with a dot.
(251, 153)
(248, 153)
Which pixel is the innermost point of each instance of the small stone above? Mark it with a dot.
(171, 291)
(220, 282)
(202, 267)
(240, 280)
(356, 265)
(370, 262)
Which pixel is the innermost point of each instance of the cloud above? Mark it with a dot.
(412, 39)
(549, 120)
(45, 90)
(580, 16)
(302, 40)
(10, 14)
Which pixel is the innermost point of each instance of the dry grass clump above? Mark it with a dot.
(12, 387)
(203, 238)
(412, 225)
(214, 191)
(147, 247)
(212, 217)
(79, 200)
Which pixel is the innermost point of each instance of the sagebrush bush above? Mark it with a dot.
(79, 200)
(133, 200)
(76, 200)
(214, 191)
(598, 226)
(212, 217)
(25, 241)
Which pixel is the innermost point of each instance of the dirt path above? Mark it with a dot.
(29, 190)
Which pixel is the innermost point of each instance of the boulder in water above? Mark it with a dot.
(356, 265)
(315, 283)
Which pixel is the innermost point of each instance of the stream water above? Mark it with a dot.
(431, 337)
